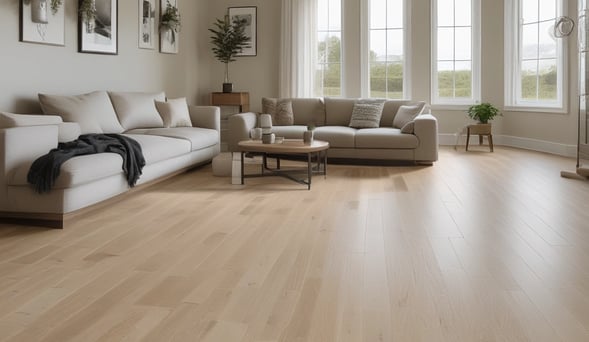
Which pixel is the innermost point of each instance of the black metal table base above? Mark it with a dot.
(317, 166)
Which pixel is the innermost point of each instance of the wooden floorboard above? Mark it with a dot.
(479, 247)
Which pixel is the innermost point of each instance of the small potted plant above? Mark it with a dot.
(228, 40)
(483, 112)
(308, 134)
(170, 21)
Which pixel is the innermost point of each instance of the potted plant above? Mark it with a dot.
(308, 134)
(483, 112)
(88, 13)
(39, 9)
(170, 22)
(228, 40)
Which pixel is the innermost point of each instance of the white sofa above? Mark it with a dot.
(86, 180)
(332, 118)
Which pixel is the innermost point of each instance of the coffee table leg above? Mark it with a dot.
(325, 164)
(309, 170)
(242, 168)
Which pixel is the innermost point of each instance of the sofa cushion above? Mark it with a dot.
(174, 112)
(338, 111)
(407, 113)
(385, 137)
(199, 138)
(93, 111)
(337, 136)
(390, 109)
(366, 115)
(280, 110)
(137, 110)
(289, 132)
(408, 128)
(157, 148)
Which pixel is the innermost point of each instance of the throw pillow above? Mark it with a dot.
(93, 112)
(174, 112)
(407, 113)
(366, 115)
(408, 127)
(280, 110)
(137, 110)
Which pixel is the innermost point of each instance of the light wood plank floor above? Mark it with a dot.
(480, 247)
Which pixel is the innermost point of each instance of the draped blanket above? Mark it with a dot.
(45, 169)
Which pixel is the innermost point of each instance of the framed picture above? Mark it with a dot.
(147, 35)
(98, 34)
(42, 21)
(169, 26)
(250, 16)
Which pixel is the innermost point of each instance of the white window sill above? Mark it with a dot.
(544, 110)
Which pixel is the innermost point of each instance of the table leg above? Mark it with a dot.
(490, 137)
(309, 171)
(325, 164)
(467, 137)
(242, 166)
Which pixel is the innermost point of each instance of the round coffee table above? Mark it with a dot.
(317, 149)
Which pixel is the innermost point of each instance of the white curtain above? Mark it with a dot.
(298, 48)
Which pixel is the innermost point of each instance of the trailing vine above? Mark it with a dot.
(171, 20)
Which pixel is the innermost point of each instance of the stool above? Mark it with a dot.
(480, 130)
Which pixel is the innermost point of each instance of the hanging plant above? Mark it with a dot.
(171, 21)
(55, 5)
(88, 10)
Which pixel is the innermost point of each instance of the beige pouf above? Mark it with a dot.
(222, 165)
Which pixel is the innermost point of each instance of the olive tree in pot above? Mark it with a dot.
(228, 40)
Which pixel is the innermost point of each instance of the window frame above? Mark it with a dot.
(513, 41)
(453, 102)
(365, 49)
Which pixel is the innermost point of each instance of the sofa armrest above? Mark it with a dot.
(22, 146)
(426, 130)
(239, 128)
(10, 120)
(205, 117)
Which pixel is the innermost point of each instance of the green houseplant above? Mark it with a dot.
(228, 40)
(170, 21)
(483, 112)
(87, 10)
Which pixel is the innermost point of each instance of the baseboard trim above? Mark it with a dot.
(517, 142)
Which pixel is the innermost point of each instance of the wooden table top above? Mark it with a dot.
(286, 146)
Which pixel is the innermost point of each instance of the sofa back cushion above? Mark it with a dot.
(391, 107)
(93, 111)
(305, 110)
(137, 110)
(338, 111)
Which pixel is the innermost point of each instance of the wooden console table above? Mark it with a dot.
(241, 100)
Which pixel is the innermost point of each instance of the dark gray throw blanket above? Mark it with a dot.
(45, 169)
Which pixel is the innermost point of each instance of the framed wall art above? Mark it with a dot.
(42, 21)
(98, 26)
(147, 28)
(169, 26)
(249, 14)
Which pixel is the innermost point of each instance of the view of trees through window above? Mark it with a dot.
(328, 77)
(538, 51)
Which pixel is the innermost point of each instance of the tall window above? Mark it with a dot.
(534, 57)
(455, 51)
(328, 77)
(386, 50)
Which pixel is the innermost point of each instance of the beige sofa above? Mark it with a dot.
(332, 118)
(86, 180)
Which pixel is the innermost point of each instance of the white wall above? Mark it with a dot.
(27, 69)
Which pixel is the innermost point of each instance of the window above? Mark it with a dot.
(386, 50)
(328, 75)
(455, 52)
(534, 57)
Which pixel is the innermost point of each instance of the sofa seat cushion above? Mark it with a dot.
(289, 132)
(337, 136)
(385, 137)
(199, 138)
(157, 148)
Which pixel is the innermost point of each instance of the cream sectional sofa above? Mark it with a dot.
(332, 118)
(89, 179)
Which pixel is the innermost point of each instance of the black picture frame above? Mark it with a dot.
(40, 24)
(250, 13)
(100, 36)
